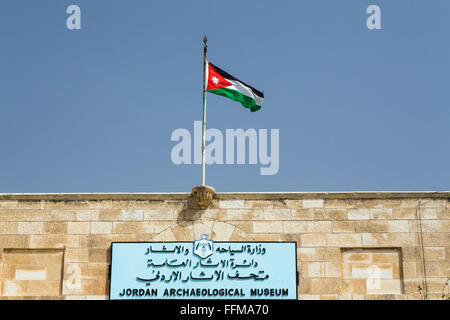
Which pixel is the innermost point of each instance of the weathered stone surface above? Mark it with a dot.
(372, 226)
(325, 286)
(222, 231)
(344, 240)
(267, 227)
(231, 204)
(312, 203)
(101, 227)
(9, 227)
(358, 214)
(341, 237)
(294, 226)
(331, 214)
(78, 227)
(314, 240)
(319, 226)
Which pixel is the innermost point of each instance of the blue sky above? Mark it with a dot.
(92, 110)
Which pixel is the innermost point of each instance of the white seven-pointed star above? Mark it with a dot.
(215, 80)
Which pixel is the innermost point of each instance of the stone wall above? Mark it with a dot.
(350, 245)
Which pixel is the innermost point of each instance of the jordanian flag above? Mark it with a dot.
(224, 84)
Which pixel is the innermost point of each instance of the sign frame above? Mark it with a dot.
(297, 277)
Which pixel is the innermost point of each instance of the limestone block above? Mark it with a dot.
(166, 235)
(443, 213)
(55, 227)
(53, 241)
(100, 204)
(372, 226)
(134, 227)
(344, 240)
(245, 214)
(319, 226)
(79, 227)
(312, 203)
(110, 215)
(30, 228)
(184, 231)
(435, 226)
(314, 240)
(99, 255)
(398, 226)
(31, 288)
(64, 205)
(134, 215)
(289, 204)
(8, 227)
(277, 214)
(313, 269)
(203, 227)
(433, 203)
(96, 271)
(428, 213)
(76, 255)
(267, 227)
(381, 214)
(328, 254)
(29, 204)
(63, 215)
(222, 231)
(260, 204)
(159, 214)
(38, 215)
(339, 203)
(303, 214)
(8, 204)
(409, 270)
(325, 286)
(12, 215)
(102, 227)
(144, 237)
(331, 214)
(87, 215)
(404, 213)
(14, 241)
(239, 235)
(304, 285)
(266, 237)
(306, 254)
(162, 225)
(343, 226)
(384, 286)
(388, 239)
(354, 286)
(231, 204)
(436, 239)
(358, 214)
(245, 226)
(332, 269)
(214, 214)
(294, 226)
(409, 203)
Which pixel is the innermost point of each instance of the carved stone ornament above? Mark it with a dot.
(202, 196)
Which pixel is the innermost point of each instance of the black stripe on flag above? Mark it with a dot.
(226, 75)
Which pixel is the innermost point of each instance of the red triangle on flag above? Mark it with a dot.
(215, 80)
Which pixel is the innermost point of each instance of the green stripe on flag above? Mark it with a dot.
(235, 95)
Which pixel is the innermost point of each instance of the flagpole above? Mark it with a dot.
(205, 48)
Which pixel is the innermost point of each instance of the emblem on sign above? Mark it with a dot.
(203, 247)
